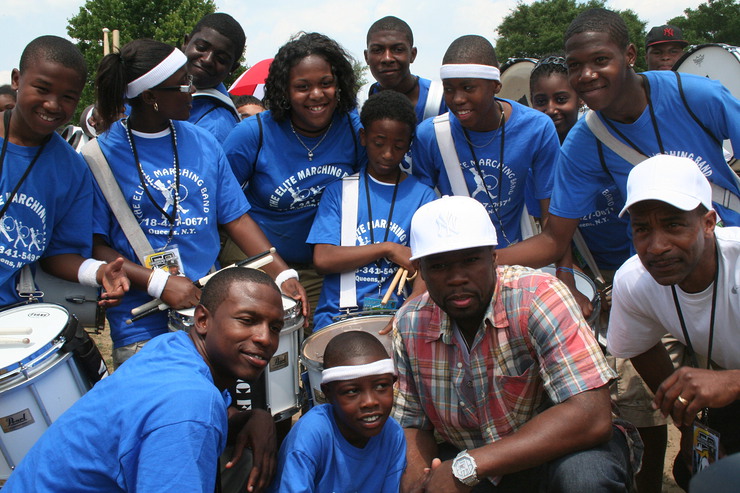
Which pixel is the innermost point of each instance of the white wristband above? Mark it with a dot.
(157, 280)
(87, 274)
(285, 275)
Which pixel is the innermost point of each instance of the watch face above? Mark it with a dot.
(464, 467)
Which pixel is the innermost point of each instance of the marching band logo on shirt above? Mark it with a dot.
(602, 215)
(294, 193)
(22, 232)
(702, 163)
(487, 184)
(161, 186)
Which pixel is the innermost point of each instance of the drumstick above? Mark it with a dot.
(391, 287)
(5, 341)
(159, 306)
(402, 283)
(15, 330)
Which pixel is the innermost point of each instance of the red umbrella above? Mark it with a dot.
(252, 82)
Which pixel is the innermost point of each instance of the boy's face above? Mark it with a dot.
(211, 57)
(663, 56)
(361, 405)
(389, 56)
(387, 142)
(473, 102)
(553, 96)
(598, 68)
(243, 333)
(48, 93)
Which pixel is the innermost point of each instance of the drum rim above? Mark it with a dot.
(694, 48)
(514, 60)
(43, 348)
(29, 373)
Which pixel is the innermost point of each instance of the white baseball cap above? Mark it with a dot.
(448, 224)
(677, 181)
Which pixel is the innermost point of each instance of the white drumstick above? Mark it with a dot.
(6, 341)
(15, 330)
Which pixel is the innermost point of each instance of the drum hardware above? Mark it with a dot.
(515, 79)
(361, 313)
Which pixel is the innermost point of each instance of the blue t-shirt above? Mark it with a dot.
(50, 213)
(208, 196)
(421, 103)
(281, 184)
(530, 142)
(315, 457)
(579, 176)
(326, 228)
(157, 424)
(212, 115)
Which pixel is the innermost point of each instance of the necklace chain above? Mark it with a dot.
(310, 151)
(500, 121)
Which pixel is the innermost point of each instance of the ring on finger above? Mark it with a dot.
(682, 400)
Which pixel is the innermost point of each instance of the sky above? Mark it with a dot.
(268, 25)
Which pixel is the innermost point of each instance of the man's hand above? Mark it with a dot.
(688, 390)
(259, 435)
(114, 281)
(441, 479)
(294, 289)
(180, 292)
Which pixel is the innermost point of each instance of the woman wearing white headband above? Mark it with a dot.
(177, 182)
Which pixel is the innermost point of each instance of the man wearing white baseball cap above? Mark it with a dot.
(684, 281)
(499, 362)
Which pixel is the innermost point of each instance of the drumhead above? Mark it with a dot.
(45, 321)
(515, 79)
(715, 61)
(312, 351)
(583, 284)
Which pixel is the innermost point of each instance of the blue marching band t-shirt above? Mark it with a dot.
(579, 176)
(282, 185)
(371, 280)
(215, 117)
(50, 213)
(530, 142)
(208, 196)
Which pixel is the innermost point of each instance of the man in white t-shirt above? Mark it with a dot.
(684, 280)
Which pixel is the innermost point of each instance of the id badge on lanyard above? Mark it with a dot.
(168, 260)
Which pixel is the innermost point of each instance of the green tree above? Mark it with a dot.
(537, 29)
(717, 21)
(164, 20)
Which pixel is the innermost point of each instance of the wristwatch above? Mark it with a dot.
(465, 469)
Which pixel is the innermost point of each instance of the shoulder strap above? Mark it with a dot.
(434, 97)
(363, 94)
(443, 132)
(220, 99)
(688, 108)
(354, 140)
(350, 198)
(112, 191)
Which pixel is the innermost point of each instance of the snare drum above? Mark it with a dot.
(515, 79)
(588, 289)
(715, 61)
(37, 381)
(181, 319)
(312, 351)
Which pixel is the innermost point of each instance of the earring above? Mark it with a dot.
(156, 106)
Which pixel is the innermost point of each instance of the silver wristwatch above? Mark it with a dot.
(465, 469)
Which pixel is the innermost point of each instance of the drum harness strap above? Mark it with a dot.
(220, 101)
(720, 194)
(350, 197)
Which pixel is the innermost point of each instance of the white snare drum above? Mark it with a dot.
(587, 288)
(715, 61)
(515, 79)
(312, 351)
(81, 301)
(37, 381)
(282, 374)
(181, 319)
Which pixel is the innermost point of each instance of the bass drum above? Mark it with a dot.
(715, 61)
(515, 79)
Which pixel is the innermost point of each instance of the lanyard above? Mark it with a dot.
(689, 346)
(495, 208)
(146, 182)
(652, 119)
(9, 200)
(387, 224)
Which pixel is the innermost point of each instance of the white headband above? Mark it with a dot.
(358, 371)
(469, 71)
(157, 75)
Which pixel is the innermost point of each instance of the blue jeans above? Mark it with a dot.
(604, 468)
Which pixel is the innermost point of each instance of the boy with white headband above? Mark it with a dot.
(485, 147)
(348, 444)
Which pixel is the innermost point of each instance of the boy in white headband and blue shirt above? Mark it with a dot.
(485, 147)
(349, 444)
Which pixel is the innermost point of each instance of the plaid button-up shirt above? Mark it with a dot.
(533, 350)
